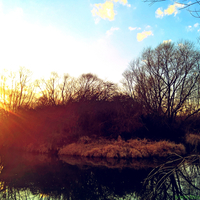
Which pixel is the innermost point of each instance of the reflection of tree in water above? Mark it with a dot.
(57, 180)
(72, 183)
(178, 178)
(43, 177)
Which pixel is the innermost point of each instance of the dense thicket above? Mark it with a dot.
(60, 111)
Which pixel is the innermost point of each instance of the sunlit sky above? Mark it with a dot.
(87, 36)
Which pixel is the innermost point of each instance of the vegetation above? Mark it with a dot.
(121, 149)
(159, 101)
(174, 179)
(165, 81)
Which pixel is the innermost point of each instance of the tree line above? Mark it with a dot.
(19, 92)
(159, 99)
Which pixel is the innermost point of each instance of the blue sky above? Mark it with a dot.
(83, 36)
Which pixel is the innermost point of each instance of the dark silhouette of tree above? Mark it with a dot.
(90, 87)
(128, 80)
(16, 89)
(3, 91)
(25, 94)
(89, 84)
(63, 89)
(50, 90)
(166, 80)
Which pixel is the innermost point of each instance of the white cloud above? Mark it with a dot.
(172, 9)
(148, 26)
(134, 28)
(110, 32)
(189, 28)
(192, 27)
(167, 41)
(143, 35)
(124, 2)
(106, 10)
(159, 13)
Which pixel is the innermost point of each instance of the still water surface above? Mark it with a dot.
(28, 176)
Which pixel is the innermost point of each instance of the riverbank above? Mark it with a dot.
(133, 148)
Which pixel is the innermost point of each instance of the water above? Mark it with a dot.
(29, 176)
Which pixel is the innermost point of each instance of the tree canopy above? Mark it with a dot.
(165, 80)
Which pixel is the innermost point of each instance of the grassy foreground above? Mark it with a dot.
(133, 148)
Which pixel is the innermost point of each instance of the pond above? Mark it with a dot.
(30, 176)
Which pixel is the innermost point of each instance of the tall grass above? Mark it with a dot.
(134, 148)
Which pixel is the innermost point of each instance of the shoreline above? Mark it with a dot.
(104, 148)
(133, 148)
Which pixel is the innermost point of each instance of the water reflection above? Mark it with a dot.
(28, 176)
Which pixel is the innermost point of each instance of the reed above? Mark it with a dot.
(134, 148)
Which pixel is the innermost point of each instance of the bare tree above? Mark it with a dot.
(68, 89)
(16, 89)
(88, 85)
(128, 79)
(25, 93)
(166, 79)
(92, 87)
(62, 88)
(49, 89)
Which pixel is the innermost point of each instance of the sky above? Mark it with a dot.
(87, 36)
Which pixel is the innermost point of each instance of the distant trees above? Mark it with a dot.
(60, 91)
(91, 87)
(163, 84)
(16, 89)
(49, 90)
(165, 80)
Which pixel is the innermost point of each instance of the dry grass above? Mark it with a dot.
(121, 149)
